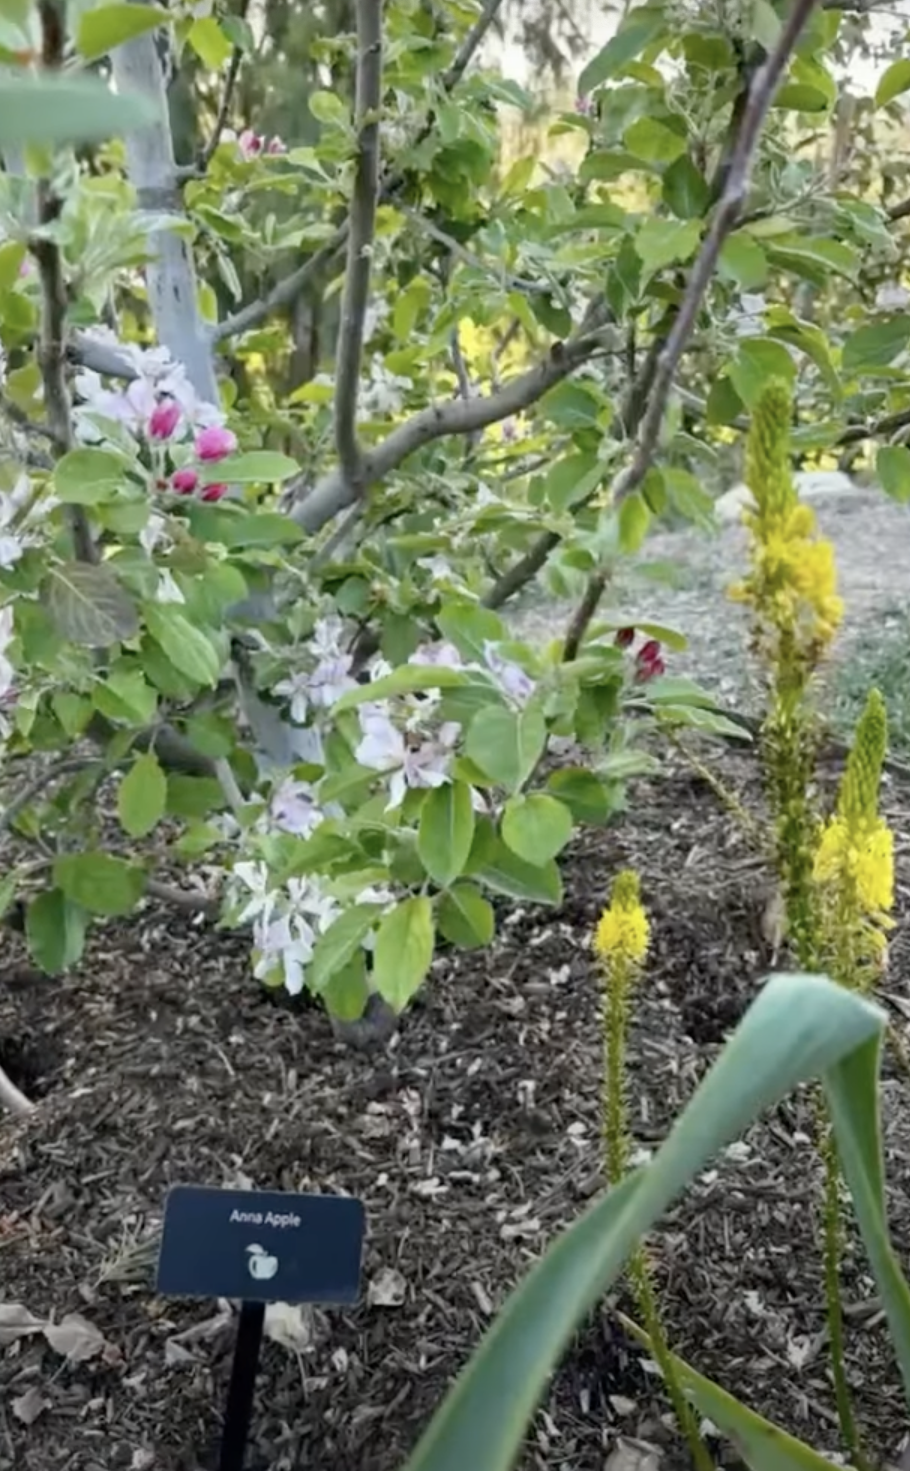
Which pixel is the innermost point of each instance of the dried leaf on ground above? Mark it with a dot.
(290, 1325)
(28, 1406)
(75, 1337)
(388, 1289)
(17, 1322)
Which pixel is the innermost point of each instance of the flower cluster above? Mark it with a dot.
(792, 582)
(173, 432)
(649, 659)
(288, 920)
(623, 932)
(255, 145)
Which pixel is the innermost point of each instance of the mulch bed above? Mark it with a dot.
(471, 1141)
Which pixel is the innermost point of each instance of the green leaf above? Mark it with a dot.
(142, 797)
(259, 466)
(660, 243)
(685, 189)
(469, 627)
(654, 142)
(55, 930)
(100, 31)
(347, 991)
(536, 827)
(86, 477)
(404, 951)
(446, 831)
(852, 1089)
(506, 744)
(742, 260)
(876, 345)
(892, 466)
(56, 108)
(798, 1027)
(587, 798)
(505, 873)
(572, 479)
(192, 797)
(126, 696)
(101, 883)
(642, 27)
(634, 520)
(338, 946)
(403, 681)
(89, 606)
(761, 1444)
(209, 42)
(248, 529)
(894, 80)
(758, 360)
(185, 645)
(465, 917)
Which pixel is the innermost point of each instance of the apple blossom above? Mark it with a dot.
(515, 684)
(385, 748)
(263, 897)
(296, 690)
(294, 808)
(164, 418)
(214, 442)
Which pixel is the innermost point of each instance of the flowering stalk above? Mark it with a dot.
(791, 589)
(621, 944)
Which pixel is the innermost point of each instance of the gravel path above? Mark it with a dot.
(871, 536)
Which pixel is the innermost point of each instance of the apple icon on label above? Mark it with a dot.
(261, 1264)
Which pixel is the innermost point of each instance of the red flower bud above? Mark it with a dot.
(214, 442)
(164, 419)
(649, 652)
(213, 492)
(184, 482)
(625, 637)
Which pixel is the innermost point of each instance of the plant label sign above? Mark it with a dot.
(260, 1246)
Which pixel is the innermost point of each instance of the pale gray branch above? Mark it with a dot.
(471, 44)
(362, 224)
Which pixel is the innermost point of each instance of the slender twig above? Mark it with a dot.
(362, 224)
(900, 211)
(181, 898)
(501, 277)
(471, 45)
(583, 614)
(227, 96)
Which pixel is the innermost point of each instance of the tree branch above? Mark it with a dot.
(333, 493)
(362, 224)
(227, 96)
(471, 44)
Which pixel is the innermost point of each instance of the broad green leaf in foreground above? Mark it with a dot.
(799, 1027)
(108, 26)
(99, 882)
(55, 929)
(63, 109)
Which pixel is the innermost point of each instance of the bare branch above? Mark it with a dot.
(502, 278)
(900, 211)
(587, 607)
(227, 96)
(333, 493)
(188, 899)
(362, 224)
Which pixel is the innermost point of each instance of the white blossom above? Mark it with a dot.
(263, 897)
(296, 690)
(154, 533)
(386, 748)
(294, 808)
(7, 672)
(287, 943)
(514, 682)
(383, 393)
(167, 590)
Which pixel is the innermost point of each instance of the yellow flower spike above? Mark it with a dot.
(623, 932)
(858, 797)
(767, 453)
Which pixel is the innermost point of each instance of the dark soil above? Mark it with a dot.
(471, 1141)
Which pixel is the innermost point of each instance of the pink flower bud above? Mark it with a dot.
(213, 492)
(276, 146)
(184, 482)
(649, 652)
(163, 420)
(649, 662)
(214, 442)
(625, 637)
